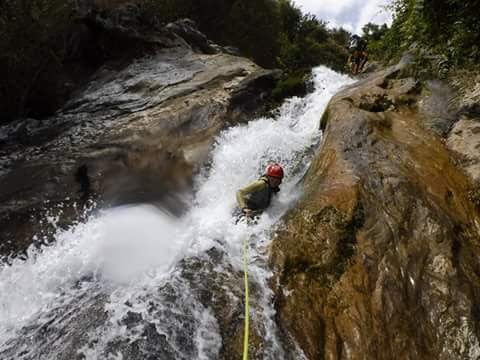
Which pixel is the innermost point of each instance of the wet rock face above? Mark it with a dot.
(464, 139)
(198, 313)
(435, 107)
(380, 259)
(131, 135)
(464, 136)
(186, 29)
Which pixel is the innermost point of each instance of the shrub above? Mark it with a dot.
(293, 85)
(35, 59)
(449, 29)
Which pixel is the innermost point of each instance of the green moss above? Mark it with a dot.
(347, 246)
(324, 120)
(342, 233)
(292, 85)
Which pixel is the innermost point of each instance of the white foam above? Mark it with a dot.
(131, 250)
(117, 246)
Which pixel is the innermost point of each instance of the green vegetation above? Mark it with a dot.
(445, 30)
(273, 33)
(291, 85)
(374, 35)
(36, 59)
(29, 52)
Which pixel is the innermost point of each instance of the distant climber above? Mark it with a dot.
(256, 197)
(358, 54)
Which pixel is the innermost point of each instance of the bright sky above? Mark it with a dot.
(351, 14)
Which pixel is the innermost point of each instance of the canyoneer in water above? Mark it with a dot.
(256, 197)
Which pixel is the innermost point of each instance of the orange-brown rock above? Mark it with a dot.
(380, 258)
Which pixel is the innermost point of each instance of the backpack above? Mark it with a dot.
(362, 45)
(354, 43)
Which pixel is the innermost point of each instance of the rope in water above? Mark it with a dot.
(247, 306)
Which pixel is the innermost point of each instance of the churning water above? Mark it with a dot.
(134, 283)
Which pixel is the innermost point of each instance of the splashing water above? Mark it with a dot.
(133, 282)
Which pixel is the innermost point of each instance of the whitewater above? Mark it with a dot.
(133, 282)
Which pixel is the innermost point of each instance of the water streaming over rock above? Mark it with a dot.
(135, 283)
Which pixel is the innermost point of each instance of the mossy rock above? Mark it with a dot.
(292, 85)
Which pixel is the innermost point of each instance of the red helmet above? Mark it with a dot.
(274, 170)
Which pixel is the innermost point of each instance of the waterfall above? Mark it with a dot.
(135, 283)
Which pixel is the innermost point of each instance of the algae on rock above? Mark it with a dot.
(378, 261)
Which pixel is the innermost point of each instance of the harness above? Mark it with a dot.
(260, 200)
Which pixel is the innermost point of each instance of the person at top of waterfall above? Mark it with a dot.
(358, 53)
(256, 197)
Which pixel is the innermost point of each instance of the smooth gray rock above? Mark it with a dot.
(133, 134)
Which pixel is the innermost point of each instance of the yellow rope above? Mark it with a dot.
(247, 307)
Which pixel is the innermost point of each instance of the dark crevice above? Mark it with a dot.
(81, 176)
(379, 104)
(385, 84)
